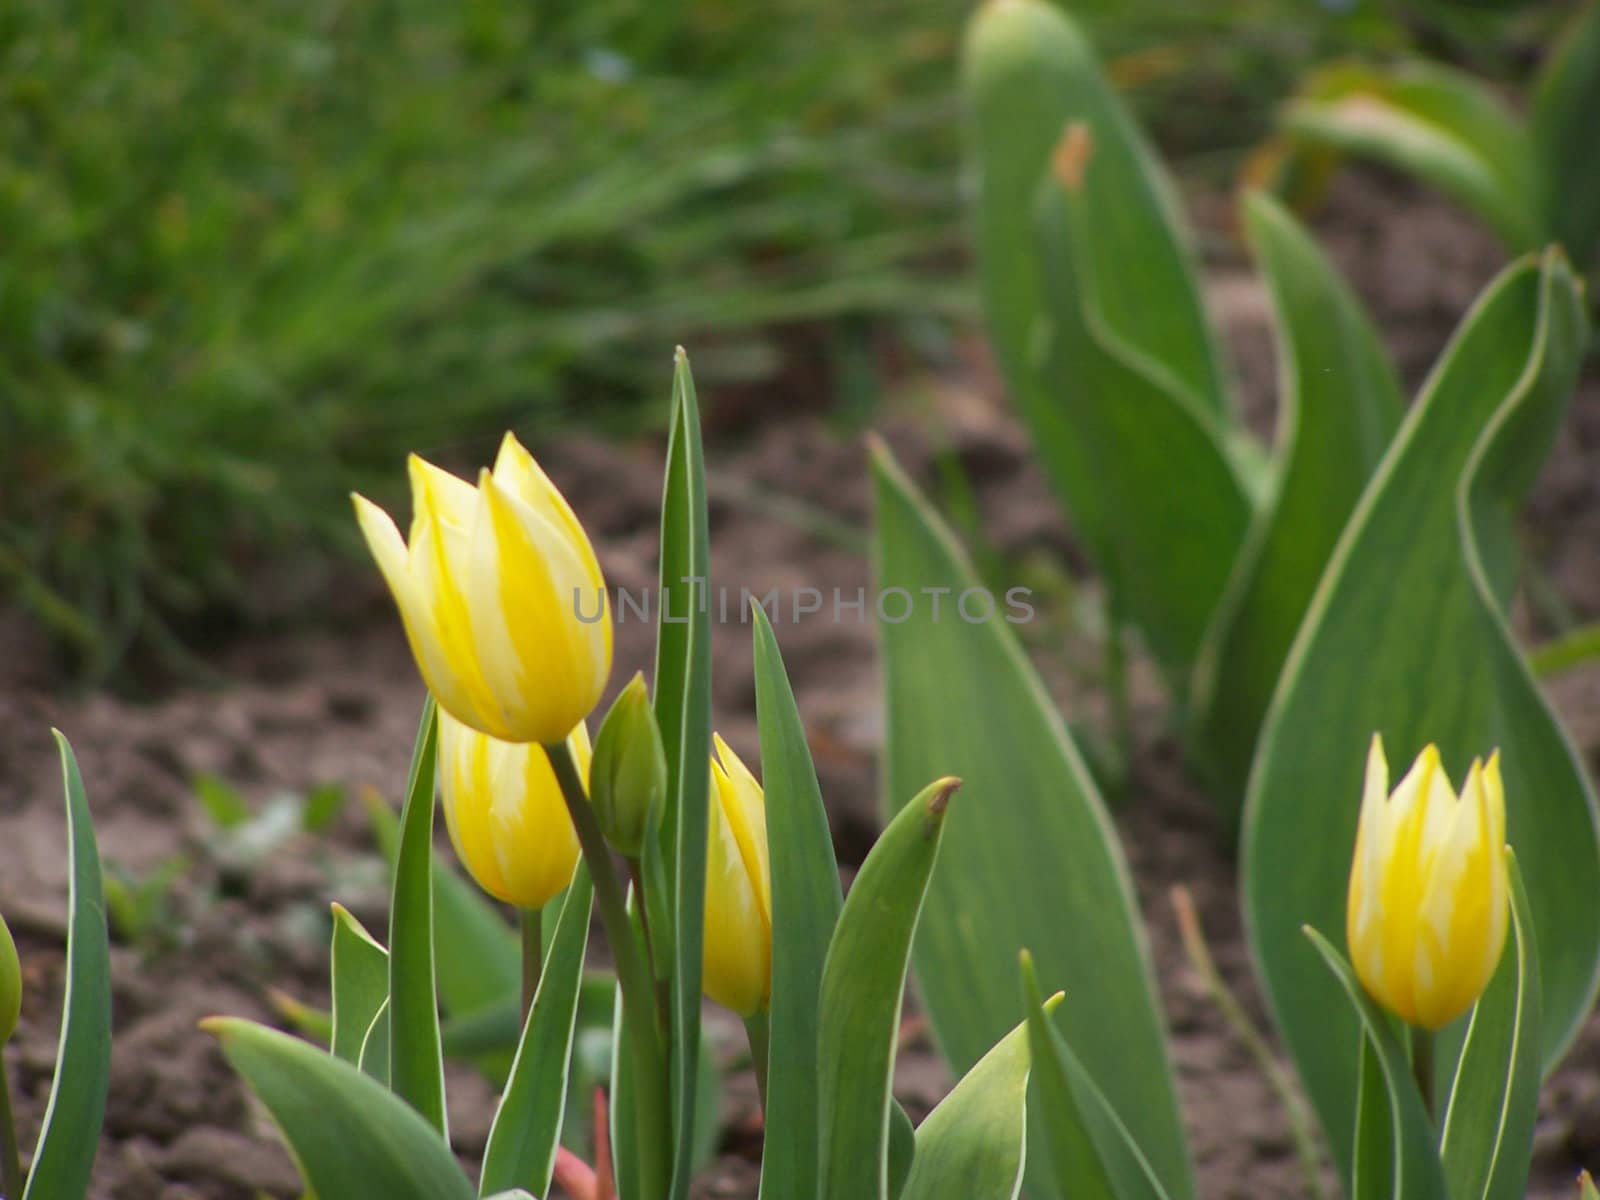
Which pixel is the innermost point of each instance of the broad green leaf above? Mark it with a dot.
(1565, 100)
(1111, 386)
(350, 1137)
(360, 973)
(476, 950)
(973, 1144)
(1339, 404)
(373, 1058)
(1088, 1153)
(805, 907)
(1372, 1171)
(1435, 122)
(863, 987)
(1407, 637)
(1033, 859)
(416, 1059)
(902, 1149)
(683, 709)
(527, 1125)
(1170, 537)
(1414, 1172)
(64, 1154)
(1487, 1133)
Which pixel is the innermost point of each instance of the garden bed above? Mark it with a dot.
(337, 702)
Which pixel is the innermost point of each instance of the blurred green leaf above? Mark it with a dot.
(60, 1167)
(1435, 122)
(527, 1125)
(416, 1059)
(375, 1056)
(971, 1145)
(359, 967)
(1407, 636)
(1413, 1166)
(1486, 1136)
(350, 1136)
(683, 710)
(805, 905)
(1339, 404)
(1115, 388)
(863, 987)
(1566, 97)
(222, 802)
(1033, 858)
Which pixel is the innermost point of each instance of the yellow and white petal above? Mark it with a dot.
(466, 779)
(535, 844)
(443, 497)
(738, 952)
(744, 806)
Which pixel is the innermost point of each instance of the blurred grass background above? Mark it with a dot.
(252, 254)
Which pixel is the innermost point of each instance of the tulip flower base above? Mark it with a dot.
(215, 913)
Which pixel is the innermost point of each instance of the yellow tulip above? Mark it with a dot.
(501, 596)
(506, 816)
(738, 933)
(1427, 912)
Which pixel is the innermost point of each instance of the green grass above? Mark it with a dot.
(253, 253)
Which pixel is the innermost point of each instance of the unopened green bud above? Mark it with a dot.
(10, 985)
(629, 771)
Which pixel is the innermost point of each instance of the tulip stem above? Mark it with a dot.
(530, 922)
(758, 1029)
(638, 1004)
(11, 1177)
(1422, 1065)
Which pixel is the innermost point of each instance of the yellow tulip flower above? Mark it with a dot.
(506, 816)
(1427, 912)
(738, 933)
(501, 596)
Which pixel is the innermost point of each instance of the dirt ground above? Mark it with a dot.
(339, 703)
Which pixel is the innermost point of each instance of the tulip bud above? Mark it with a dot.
(507, 818)
(501, 597)
(1428, 906)
(629, 773)
(738, 930)
(10, 985)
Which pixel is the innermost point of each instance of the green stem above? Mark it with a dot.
(529, 921)
(1565, 652)
(11, 1176)
(638, 1005)
(1422, 1065)
(758, 1030)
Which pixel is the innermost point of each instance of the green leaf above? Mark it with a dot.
(416, 1059)
(1033, 858)
(350, 1137)
(902, 1149)
(683, 710)
(1407, 636)
(805, 908)
(1565, 99)
(972, 1144)
(1435, 122)
(373, 1059)
(1487, 1133)
(360, 973)
(1089, 1152)
(1414, 1172)
(222, 802)
(476, 951)
(1339, 405)
(63, 1156)
(863, 986)
(1114, 389)
(527, 1125)
(1372, 1172)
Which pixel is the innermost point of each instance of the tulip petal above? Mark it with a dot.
(737, 969)
(465, 781)
(520, 474)
(534, 842)
(744, 806)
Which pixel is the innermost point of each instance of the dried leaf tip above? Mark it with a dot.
(1070, 159)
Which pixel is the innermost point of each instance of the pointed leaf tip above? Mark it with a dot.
(940, 800)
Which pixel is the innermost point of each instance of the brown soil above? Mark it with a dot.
(339, 704)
